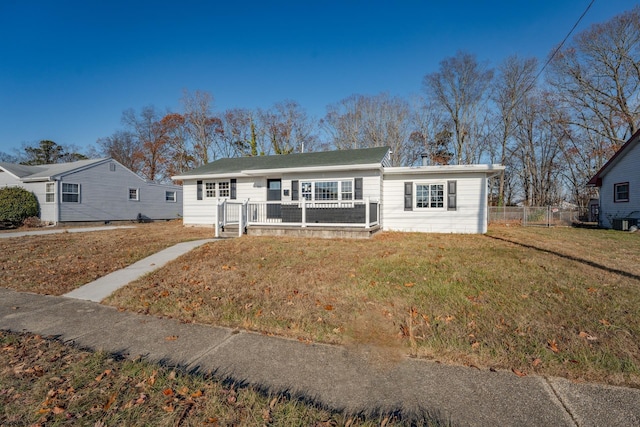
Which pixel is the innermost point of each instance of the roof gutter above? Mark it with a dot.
(490, 170)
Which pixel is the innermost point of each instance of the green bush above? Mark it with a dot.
(17, 204)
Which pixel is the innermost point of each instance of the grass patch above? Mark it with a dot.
(55, 264)
(548, 301)
(43, 382)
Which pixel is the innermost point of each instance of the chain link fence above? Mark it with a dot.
(537, 216)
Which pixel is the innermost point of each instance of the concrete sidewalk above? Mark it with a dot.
(11, 234)
(357, 380)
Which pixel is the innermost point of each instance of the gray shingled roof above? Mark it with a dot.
(298, 160)
(45, 171)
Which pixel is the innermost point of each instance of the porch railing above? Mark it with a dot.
(359, 213)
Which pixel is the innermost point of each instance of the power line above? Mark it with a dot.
(557, 49)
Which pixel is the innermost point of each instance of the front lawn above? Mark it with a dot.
(55, 264)
(553, 301)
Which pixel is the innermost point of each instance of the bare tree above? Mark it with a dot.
(372, 121)
(241, 133)
(537, 153)
(180, 153)
(460, 89)
(516, 78)
(596, 79)
(123, 147)
(287, 128)
(203, 127)
(150, 136)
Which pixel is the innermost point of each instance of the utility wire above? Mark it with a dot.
(557, 49)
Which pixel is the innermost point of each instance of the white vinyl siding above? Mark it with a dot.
(626, 170)
(202, 212)
(470, 215)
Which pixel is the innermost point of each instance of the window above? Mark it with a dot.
(133, 194)
(429, 196)
(306, 191)
(223, 189)
(210, 189)
(621, 192)
(327, 190)
(346, 190)
(170, 196)
(199, 190)
(50, 192)
(112, 167)
(70, 193)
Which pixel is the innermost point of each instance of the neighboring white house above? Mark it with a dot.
(93, 190)
(344, 188)
(619, 183)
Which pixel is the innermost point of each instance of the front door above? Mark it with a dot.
(274, 193)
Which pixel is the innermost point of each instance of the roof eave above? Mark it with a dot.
(489, 170)
(596, 180)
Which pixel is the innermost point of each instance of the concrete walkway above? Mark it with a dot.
(101, 288)
(356, 380)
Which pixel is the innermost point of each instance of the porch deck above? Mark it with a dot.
(356, 219)
(316, 232)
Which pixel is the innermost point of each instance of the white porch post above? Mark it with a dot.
(241, 217)
(304, 213)
(367, 213)
(216, 224)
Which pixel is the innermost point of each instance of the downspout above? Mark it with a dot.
(56, 207)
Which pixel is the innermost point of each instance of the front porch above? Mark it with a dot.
(352, 219)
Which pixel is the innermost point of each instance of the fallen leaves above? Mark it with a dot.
(553, 346)
(518, 372)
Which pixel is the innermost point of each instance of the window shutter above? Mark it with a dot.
(357, 195)
(232, 188)
(452, 195)
(408, 196)
(294, 190)
(199, 190)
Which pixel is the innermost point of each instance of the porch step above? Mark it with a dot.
(229, 232)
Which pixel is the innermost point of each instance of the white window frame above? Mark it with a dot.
(170, 199)
(616, 193)
(50, 192)
(224, 189)
(137, 194)
(209, 189)
(308, 190)
(431, 186)
(66, 191)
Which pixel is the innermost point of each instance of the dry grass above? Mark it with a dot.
(548, 301)
(44, 383)
(58, 263)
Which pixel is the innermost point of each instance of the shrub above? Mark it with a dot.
(17, 204)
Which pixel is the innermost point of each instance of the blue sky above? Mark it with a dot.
(69, 68)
